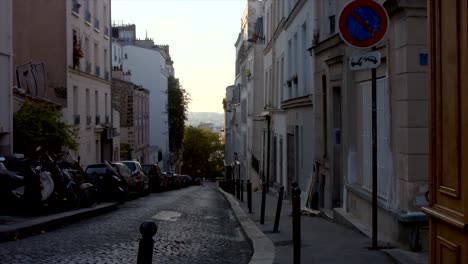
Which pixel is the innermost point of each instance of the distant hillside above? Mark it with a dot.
(195, 118)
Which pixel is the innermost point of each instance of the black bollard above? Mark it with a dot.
(262, 212)
(249, 195)
(278, 209)
(296, 199)
(242, 190)
(145, 250)
(236, 188)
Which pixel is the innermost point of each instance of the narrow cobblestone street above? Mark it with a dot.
(195, 225)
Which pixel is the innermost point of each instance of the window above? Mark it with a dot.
(96, 102)
(87, 104)
(332, 24)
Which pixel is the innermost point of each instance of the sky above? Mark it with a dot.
(201, 35)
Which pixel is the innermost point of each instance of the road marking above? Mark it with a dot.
(167, 216)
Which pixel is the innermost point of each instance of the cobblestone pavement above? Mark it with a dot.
(205, 232)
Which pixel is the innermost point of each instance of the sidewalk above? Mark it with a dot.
(322, 240)
(17, 227)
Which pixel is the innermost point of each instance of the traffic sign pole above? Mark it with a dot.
(374, 157)
(363, 24)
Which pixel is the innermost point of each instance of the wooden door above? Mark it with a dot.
(448, 192)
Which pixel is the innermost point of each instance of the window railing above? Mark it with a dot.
(98, 120)
(88, 17)
(97, 71)
(76, 119)
(96, 24)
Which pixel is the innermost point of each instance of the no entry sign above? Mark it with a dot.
(363, 23)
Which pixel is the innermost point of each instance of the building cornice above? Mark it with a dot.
(302, 101)
(327, 44)
(297, 8)
(276, 34)
(84, 74)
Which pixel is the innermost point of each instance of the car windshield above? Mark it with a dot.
(98, 170)
(147, 168)
(130, 165)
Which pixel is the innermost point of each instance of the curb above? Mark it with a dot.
(264, 250)
(49, 222)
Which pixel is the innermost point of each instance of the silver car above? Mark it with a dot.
(142, 180)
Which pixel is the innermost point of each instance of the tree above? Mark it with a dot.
(203, 153)
(38, 124)
(178, 100)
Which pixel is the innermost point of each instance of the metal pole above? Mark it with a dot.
(374, 157)
(145, 250)
(262, 212)
(268, 152)
(296, 196)
(242, 190)
(249, 195)
(278, 209)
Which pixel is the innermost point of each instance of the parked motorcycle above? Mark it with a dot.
(22, 185)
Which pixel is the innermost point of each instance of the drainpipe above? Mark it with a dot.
(268, 117)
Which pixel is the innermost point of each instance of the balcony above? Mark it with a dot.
(97, 71)
(106, 75)
(88, 18)
(88, 67)
(98, 120)
(88, 120)
(97, 26)
(76, 119)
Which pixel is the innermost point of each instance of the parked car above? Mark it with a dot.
(142, 180)
(157, 181)
(173, 181)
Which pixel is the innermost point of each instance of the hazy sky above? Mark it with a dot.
(201, 35)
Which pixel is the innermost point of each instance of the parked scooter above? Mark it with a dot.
(110, 186)
(22, 186)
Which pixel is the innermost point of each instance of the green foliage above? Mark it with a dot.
(38, 124)
(178, 100)
(203, 153)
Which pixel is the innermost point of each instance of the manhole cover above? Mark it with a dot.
(167, 216)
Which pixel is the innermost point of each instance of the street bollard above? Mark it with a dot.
(236, 189)
(145, 250)
(242, 190)
(262, 212)
(278, 209)
(296, 200)
(249, 195)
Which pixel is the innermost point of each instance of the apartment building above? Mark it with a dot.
(132, 102)
(342, 102)
(6, 77)
(72, 39)
(150, 66)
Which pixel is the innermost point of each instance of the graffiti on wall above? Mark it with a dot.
(32, 78)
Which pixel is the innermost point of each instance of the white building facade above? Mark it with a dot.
(148, 68)
(6, 77)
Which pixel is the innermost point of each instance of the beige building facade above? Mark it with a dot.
(343, 139)
(132, 102)
(72, 39)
